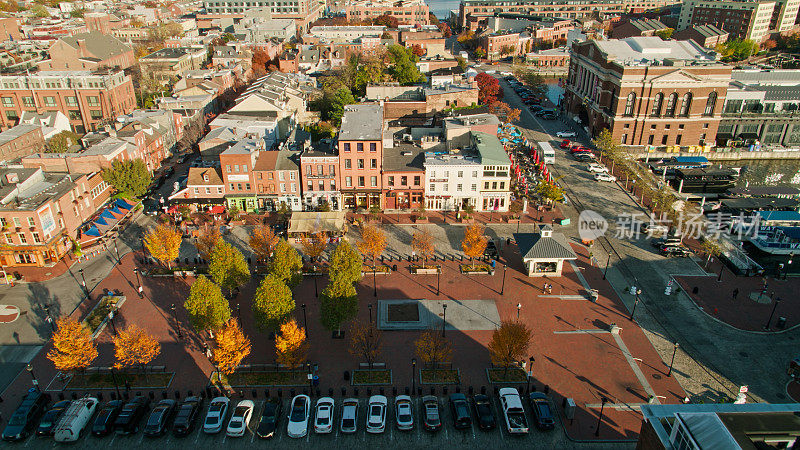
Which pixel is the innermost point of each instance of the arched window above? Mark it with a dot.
(657, 101)
(710, 104)
(687, 102)
(671, 102)
(629, 104)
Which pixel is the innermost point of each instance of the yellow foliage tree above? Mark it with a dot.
(432, 348)
(509, 343)
(232, 347)
(422, 244)
(373, 242)
(474, 242)
(291, 347)
(263, 241)
(73, 347)
(164, 243)
(134, 347)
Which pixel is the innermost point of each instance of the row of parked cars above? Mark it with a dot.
(531, 99)
(68, 420)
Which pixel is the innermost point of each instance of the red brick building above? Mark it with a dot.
(88, 51)
(360, 153)
(403, 177)
(407, 12)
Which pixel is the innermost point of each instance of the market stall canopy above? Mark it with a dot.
(306, 222)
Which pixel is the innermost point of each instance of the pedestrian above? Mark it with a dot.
(735, 293)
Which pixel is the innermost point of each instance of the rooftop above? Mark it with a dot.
(771, 77)
(243, 147)
(471, 120)
(649, 49)
(648, 24)
(100, 45)
(539, 246)
(15, 132)
(403, 157)
(172, 53)
(490, 148)
(362, 122)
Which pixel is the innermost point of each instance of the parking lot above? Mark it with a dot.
(446, 437)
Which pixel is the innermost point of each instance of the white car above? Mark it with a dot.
(240, 418)
(605, 177)
(596, 168)
(298, 416)
(323, 418)
(404, 412)
(215, 418)
(349, 422)
(376, 414)
(566, 134)
(513, 411)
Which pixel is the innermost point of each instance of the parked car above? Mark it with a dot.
(535, 108)
(270, 418)
(127, 421)
(566, 143)
(104, 422)
(541, 411)
(674, 250)
(596, 168)
(240, 418)
(70, 427)
(215, 417)
(186, 417)
(323, 415)
(298, 416)
(156, 424)
(605, 177)
(483, 411)
(579, 149)
(51, 417)
(25, 417)
(514, 413)
(652, 228)
(404, 412)
(376, 414)
(460, 409)
(432, 417)
(667, 241)
(566, 134)
(585, 157)
(349, 415)
(491, 250)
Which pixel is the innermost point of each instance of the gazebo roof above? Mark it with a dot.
(309, 221)
(544, 246)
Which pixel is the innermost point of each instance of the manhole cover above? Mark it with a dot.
(48, 274)
(779, 395)
(451, 282)
(743, 354)
(656, 376)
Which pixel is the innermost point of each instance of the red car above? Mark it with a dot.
(566, 143)
(580, 149)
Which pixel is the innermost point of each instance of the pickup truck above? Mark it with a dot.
(514, 413)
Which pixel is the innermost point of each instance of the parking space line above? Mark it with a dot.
(28, 441)
(224, 437)
(111, 443)
(500, 418)
(141, 439)
(196, 438)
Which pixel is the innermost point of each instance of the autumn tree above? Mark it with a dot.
(549, 192)
(417, 50)
(432, 349)
(286, 263)
(228, 268)
(208, 309)
(488, 88)
(73, 348)
(422, 244)
(208, 237)
(128, 177)
(263, 241)
(711, 248)
(474, 242)
(509, 343)
(164, 243)
(291, 347)
(366, 342)
(373, 243)
(339, 300)
(259, 62)
(272, 303)
(386, 20)
(134, 347)
(232, 346)
(314, 243)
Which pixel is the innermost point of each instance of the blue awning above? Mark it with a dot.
(107, 215)
(93, 231)
(116, 210)
(101, 221)
(120, 203)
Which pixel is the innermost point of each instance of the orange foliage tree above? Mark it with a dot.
(73, 347)
(474, 242)
(366, 341)
(232, 347)
(134, 347)
(509, 343)
(263, 241)
(164, 243)
(422, 244)
(373, 243)
(291, 347)
(432, 349)
(314, 243)
(208, 238)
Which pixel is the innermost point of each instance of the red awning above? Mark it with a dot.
(172, 209)
(217, 209)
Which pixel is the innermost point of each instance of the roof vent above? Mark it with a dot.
(12, 178)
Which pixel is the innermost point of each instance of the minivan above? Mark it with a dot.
(24, 418)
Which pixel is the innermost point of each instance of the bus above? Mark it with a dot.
(546, 153)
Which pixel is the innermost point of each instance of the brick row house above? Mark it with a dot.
(360, 146)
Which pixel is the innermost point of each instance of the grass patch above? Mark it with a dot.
(472, 268)
(100, 313)
(512, 375)
(270, 378)
(381, 376)
(440, 376)
(106, 380)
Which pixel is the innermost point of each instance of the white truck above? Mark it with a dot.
(546, 153)
(514, 413)
(75, 419)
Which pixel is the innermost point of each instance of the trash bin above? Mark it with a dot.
(781, 323)
(315, 380)
(594, 295)
(494, 263)
(346, 375)
(394, 267)
(569, 408)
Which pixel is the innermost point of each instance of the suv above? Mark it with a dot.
(460, 409)
(48, 424)
(104, 422)
(21, 423)
(128, 419)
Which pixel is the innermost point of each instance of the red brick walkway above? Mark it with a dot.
(581, 366)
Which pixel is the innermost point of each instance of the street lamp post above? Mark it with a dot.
(413, 375)
(503, 286)
(310, 378)
(238, 312)
(138, 282)
(35, 382)
(49, 319)
(608, 262)
(635, 303)
(116, 250)
(374, 282)
(314, 276)
(444, 317)
(305, 319)
(519, 308)
(83, 279)
(438, 274)
(788, 263)
(603, 402)
(370, 314)
(777, 300)
(674, 350)
(175, 318)
(530, 373)
(721, 269)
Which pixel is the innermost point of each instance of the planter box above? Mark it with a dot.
(510, 220)
(430, 270)
(388, 372)
(380, 270)
(117, 301)
(467, 220)
(421, 220)
(515, 375)
(456, 372)
(467, 269)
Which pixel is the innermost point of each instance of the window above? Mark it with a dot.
(458, 187)
(238, 186)
(624, 139)
(390, 181)
(283, 187)
(36, 238)
(678, 139)
(294, 187)
(49, 101)
(502, 185)
(28, 101)
(281, 176)
(310, 185)
(657, 105)
(360, 163)
(236, 168)
(460, 174)
(403, 181)
(360, 146)
(373, 147)
(321, 185)
(31, 222)
(373, 163)
(474, 187)
(664, 140)
(228, 168)
(348, 181)
(348, 164)
(8, 102)
(486, 185)
(710, 104)
(494, 185)
(671, 102)
(95, 114)
(17, 222)
(247, 186)
(733, 106)
(416, 180)
(687, 102)
(474, 174)
(208, 190)
(90, 100)
(361, 181)
(71, 101)
(244, 168)
(629, 104)
(650, 139)
(74, 114)
(333, 185)
(22, 239)
(347, 146)
(9, 238)
(11, 115)
(331, 170)
(373, 181)
(433, 187)
(219, 190)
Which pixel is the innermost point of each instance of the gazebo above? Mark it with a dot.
(332, 222)
(544, 253)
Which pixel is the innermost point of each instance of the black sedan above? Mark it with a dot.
(104, 423)
(483, 411)
(270, 417)
(158, 421)
(48, 424)
(128, 419)
(541, 411)
(460, 409)
(187, 415)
